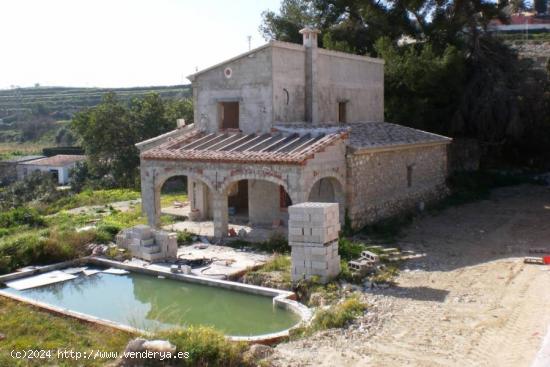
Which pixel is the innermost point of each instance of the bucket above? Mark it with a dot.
(546, 260)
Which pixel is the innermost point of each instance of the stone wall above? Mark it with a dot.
(385, 183)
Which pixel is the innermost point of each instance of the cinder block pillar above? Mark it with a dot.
(220, 215)
(313, 237)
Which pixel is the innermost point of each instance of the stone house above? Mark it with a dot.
(284, 124)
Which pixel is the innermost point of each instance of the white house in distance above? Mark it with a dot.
(59, 166)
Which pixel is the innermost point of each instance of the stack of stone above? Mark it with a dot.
(313, 237)
(145, 243)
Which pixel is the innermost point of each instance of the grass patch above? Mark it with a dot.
(276, 243)
(93, 197)
(27, 327)
(168, 199)
(278, 263)
(206, 347)
(275, 273)
(21, 216)
(338, 315)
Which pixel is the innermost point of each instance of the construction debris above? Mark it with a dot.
(147, 243)
(51, 277)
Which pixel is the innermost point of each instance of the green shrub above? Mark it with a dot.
(278, 263)
(184, 238)
(349, 250)
(110, 228)
(4, 232)
(206, 347)
(42, 248)
(338, 315)
(21, 216)
(277, 242)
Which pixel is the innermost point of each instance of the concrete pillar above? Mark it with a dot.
(263, 202)
(219, 211)
(150, 199)
(198, 197)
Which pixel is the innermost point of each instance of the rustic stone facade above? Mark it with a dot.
(386, 182)
(308, 125)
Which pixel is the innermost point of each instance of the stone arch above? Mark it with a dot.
(251, 176)
(329, 188)
(163, 177)
(160, 180)
(261, 199)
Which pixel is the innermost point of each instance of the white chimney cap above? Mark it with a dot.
(310, 36)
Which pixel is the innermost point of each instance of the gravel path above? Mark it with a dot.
(471, 301)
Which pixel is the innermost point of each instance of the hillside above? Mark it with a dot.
(66, 101)
(34, 118)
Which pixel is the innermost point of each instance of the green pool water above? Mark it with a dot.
(150, 303)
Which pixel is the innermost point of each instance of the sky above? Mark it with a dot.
(121, 43)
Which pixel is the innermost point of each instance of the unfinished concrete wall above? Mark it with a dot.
(323, 191)
(358, 81)
(263, 202)
(199, 198)
(250, 84)
(289, 83)
(384, 183)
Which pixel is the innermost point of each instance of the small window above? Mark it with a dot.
(341, 112)
(409, 175)
(229, 115)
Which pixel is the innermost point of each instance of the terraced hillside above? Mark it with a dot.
(65, 101)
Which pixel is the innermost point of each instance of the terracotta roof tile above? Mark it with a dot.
(276, 147)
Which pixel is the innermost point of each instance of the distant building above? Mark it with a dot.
(59, 166)
(8, 168)
(522, 22)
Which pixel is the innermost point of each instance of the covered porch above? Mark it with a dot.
(249, 178)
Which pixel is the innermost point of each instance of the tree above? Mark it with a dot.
(541, 6)
(110, 130)
(454, 78)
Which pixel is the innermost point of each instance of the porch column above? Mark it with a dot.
(219, 204)
(150, 198)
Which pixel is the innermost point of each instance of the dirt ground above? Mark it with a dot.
(471, 301)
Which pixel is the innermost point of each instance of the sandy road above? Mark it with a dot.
(471, 301)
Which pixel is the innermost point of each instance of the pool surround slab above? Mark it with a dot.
(281, 298)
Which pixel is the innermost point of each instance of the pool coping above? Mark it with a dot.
(281, 298)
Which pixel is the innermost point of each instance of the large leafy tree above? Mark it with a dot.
(109, 131)
(444, 71)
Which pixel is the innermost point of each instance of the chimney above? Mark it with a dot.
(309, 36)
(311, 100)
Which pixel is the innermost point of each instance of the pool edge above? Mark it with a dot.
(281, 298)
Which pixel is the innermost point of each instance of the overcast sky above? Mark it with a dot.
(121, 43)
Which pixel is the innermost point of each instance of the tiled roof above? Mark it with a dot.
(22, 159)
(230, 146)
(56, 160)
(369, 135)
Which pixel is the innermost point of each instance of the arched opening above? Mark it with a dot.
(257, 202)
(328, 190)
(185, 198)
